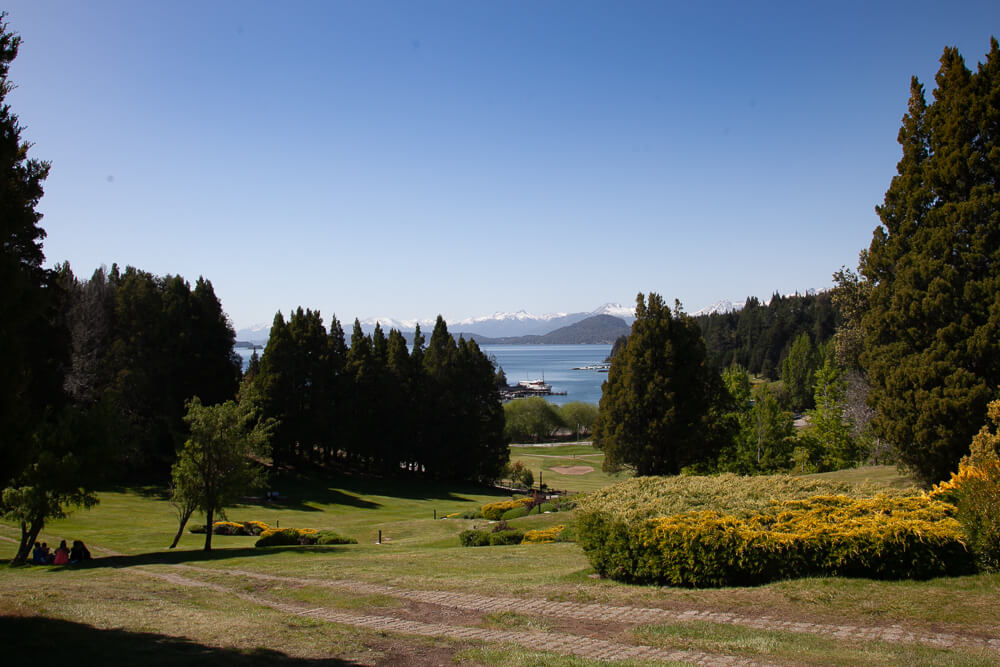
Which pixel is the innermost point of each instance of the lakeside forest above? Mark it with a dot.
(127, 376)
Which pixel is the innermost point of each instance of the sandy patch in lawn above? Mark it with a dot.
(572, 470)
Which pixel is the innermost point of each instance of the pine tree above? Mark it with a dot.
(932, 329)
(655, 406)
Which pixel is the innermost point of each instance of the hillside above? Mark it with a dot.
(594, 330)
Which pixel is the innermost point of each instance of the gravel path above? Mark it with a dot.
(631, 615)
(562, 643)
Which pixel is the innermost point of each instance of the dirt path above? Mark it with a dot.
(563, 644)
(567, 641)
(616, 614)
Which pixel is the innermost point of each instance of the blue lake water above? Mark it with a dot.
(553, 363)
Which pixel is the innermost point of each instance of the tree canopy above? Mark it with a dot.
(655, 405)
(932, 327)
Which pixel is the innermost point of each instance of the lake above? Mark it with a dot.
(553, 363)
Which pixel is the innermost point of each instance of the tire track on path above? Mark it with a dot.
(563, 644)
(624, 614)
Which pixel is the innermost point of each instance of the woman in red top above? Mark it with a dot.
(62, 554)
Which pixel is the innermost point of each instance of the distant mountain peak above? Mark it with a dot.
(719, 308)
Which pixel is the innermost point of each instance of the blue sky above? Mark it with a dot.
(404, 159)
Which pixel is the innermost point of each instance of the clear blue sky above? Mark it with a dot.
(404, 159)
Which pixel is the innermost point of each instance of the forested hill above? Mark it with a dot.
(596, 330)
(759, 336)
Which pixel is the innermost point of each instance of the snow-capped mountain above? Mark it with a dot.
(503, 324)
(720, 308)
(255, 333)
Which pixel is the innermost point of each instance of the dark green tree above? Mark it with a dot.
(654, 414)
(798, 372)
(932, 327)
(43, 466)
(216, 464)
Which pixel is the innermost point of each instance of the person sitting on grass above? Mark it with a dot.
(37, 555)
(46, 554)
(79, 552)
(62, 554)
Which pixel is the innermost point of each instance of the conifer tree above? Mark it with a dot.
(655, 406)
(932, 328)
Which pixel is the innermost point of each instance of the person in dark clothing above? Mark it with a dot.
(79, 552)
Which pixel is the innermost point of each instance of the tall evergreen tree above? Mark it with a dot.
(42, 467)
(932, 329)
(655, 406)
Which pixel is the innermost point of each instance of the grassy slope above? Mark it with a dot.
(423, 553)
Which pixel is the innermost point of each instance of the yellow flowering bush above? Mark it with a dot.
(494, 511)
(975, 491)
(542, 536)
(885, 536)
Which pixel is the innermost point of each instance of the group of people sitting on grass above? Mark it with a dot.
(41, 555)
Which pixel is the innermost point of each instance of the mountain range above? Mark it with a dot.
(499, 325)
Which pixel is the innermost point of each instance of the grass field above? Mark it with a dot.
(542, 460)
(237, 605)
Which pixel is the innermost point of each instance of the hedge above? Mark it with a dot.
(292, 536)
(883, 537)
(495, 511)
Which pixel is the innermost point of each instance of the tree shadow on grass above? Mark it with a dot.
(193, 556)
(65, 642)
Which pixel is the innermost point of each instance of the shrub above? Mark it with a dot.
(975, 491)
(228, 528)
(882, 537)
(325, 537)
(543, 536)
(276, 537)
(474, 538)
(495, 511)
(255, 527)
(515, 513)
(509, 536)
(471, 514)
(649, 497)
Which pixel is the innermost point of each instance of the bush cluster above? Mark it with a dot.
(294, 536)
(886, 537)
(495, 511)
(975, 491)
(650, 497)
(543, 536)
(251, 528)
(499, 534)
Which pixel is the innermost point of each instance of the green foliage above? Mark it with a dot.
(378, 407)
(829, 437)
(882, 537)
(474, 538)
(506, 537)
(759, 336)
(762, 432)
(519, 475)
(530, 419)
(655, 412)
(214, 467)
(648, 497)
(515, 513)
(798, 371)
(975, 491)
(495, 511)
(578, 416)
(284, 537)
(932, 326)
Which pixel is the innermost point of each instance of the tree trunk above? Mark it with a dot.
(29, 533)
(209, 514)
(184, 516)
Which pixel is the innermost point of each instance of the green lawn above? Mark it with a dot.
(542, 460)
(156, 622)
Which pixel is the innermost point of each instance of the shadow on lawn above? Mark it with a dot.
(191, 556)
(33, 638)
